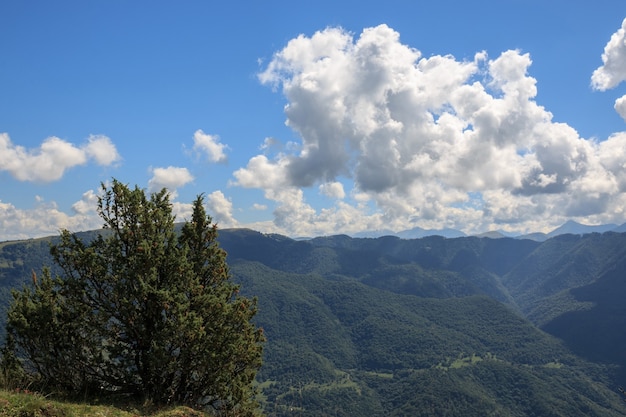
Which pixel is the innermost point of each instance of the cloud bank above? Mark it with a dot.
(47, 219)
(430, 141)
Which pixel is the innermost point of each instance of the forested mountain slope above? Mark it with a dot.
(432, 326)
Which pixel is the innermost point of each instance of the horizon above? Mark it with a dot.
(334, 118)
(581, 228)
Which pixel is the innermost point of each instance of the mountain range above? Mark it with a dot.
(435, 326)
(569, 227)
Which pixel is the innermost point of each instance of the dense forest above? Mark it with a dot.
(424, 327)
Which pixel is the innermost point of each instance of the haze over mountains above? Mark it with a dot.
(570, 227)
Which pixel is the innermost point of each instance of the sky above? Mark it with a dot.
(316, 118)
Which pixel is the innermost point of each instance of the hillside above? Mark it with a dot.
(431, 326)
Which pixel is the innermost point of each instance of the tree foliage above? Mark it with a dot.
(141, 310)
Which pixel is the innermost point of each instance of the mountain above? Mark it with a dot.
(374, 233)
(493, 234)
(574, 228)
(569, 227)
(436, 326)
(418, 232)
(433, 326)
(414, 233)
(537, 236)
(620, 229)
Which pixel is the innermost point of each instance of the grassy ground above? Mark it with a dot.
(26, 404)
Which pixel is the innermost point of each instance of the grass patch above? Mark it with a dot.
(462, 361)
(465, 361)
(383, 375)
(553, 365)
(28, 404)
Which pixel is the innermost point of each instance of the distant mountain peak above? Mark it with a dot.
(414, 233)
(569, 227)
(575, 228)
(492, 234)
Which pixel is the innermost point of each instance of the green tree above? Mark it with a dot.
(142, 310)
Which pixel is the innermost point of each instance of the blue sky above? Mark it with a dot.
(311, 118)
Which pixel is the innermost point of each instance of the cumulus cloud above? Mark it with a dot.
(221, 209)
(620, 107)
(613, 70)
(182, 211)
(50, 161)
(170, 178)
(270, 143)
(210, 146)
(87, 204)
(430, 141)
(262, 172)
(332, 190)
(102, 150)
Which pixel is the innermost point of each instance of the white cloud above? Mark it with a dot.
(50, 161)
(101, 149)
(269, 143)
(262, 173)
(620, 107)
(613, 70)
(87, 204)
(436, 141)
(260, 207)
(45, 219)
(332, 190)
(221, 209)
(210, 146)
(170, 178)
(182, 211)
